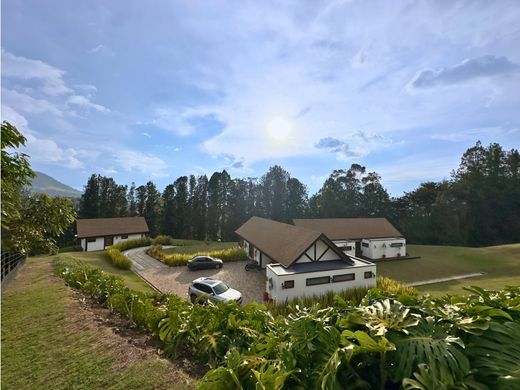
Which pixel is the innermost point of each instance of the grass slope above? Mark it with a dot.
(195, 246)
(49, 341)
(500, 263)
(99, 260)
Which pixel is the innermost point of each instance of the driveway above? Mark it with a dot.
(177, 279)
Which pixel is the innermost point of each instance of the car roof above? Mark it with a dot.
(209, 281)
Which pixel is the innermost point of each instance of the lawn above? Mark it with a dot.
(99, 260)
(500, 263)
(198, 246)
(50, 340)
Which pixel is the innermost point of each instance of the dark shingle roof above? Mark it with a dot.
(283, 243)
(350, 228)
(99, 227)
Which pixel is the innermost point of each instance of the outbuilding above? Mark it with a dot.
(301, 262)
(99, 233)
(373, 238)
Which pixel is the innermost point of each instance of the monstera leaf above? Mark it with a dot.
(496, 356)
(424, 379)
(428, 344)
(383, 316)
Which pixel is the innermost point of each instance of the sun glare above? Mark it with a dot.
(279, 129)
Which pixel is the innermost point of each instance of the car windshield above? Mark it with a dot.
(220, 288)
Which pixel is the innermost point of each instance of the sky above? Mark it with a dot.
(143, 91)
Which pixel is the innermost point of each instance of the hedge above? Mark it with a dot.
(178, 259)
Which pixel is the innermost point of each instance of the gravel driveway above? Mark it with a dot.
(177, 279)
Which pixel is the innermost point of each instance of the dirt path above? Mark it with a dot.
(440, 280)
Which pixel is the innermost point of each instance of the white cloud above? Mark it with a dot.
(146, 135)
(40, 88)
(28, 104)
(22, 68)
(131, 160)
(40, 149)
(84, 102)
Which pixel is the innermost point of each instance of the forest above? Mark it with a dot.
(479, 205)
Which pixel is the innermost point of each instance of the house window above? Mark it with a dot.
(343, 278)
(124, 236)
(369, 275)
(365, 244)
(396, 244)
(315, 281)
(91, 240)
(288, 284)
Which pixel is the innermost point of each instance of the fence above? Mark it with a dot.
(10, 261)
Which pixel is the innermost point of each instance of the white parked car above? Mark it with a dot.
(214, 290)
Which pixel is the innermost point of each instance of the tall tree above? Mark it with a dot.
(168, 215)
(89, 202)
(152, 208)
(200, 208)
(296, 199)
(181, 222)
(132, 205)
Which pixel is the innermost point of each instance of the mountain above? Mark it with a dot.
(45, 184)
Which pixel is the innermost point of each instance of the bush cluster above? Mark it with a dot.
(387, 341)
(163, 240)
(119, 259)
(178, 259)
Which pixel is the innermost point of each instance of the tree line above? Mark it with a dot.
(479, 205)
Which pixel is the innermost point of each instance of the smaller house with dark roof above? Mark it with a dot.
(373, 238)
(300, 261)
(99, 233)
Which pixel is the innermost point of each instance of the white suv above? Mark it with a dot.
(214, 290)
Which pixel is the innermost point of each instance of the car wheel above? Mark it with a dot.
(216, 266)
(193, 297)
(220, 266)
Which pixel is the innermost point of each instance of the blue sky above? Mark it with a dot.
(154, 90)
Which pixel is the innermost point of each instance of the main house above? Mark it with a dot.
(300, 261)
(373, 238)
(99, 233)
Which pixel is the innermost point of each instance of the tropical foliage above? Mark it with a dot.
(30, 224)
(387, 341)
(177, 259)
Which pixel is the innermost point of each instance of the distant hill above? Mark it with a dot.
(45, 184)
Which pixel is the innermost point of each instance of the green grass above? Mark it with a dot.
(100, 260)
(196, 246)
(49, 342)
(500, 263)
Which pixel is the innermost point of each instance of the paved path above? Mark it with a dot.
(440, 280)
(141, 261)
(177, 279)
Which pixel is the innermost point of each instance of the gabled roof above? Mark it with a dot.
(99, 227)
(350, 228)
(283, 243)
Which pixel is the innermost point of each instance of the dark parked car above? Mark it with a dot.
(213, 290)
(204, 262)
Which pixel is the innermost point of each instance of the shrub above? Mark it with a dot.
(135, 243)
(118, 259)
(163, 240)
(179, 259)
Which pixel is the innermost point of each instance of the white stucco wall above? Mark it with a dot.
(93, 246)
(343, 244)
(280, 294)
(99, 244)
(382, 248)
(130, 237)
